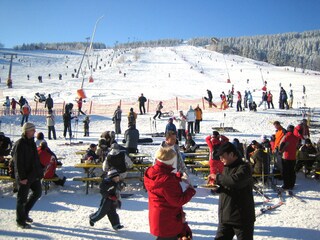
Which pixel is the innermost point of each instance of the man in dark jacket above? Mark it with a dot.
(28, 174)
(142, 99)
(49, 103)
(236, 205)
(131, 136)
(67, 123)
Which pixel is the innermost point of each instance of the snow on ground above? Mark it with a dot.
(63, 212)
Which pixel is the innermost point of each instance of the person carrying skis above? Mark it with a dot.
(209, 98)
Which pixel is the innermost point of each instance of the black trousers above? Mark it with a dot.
(67, 127)
(181, 132)
(197, 126)
(190, 127)
(142, 109)
(53, 130)
(158, 114)
(107, 207)
(25, 204)
(288, 173)
(227, 231)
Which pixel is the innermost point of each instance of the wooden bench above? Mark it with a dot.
(88, 181)
(203, 170)
(46, 183)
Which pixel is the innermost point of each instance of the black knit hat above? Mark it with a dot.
(227, 147)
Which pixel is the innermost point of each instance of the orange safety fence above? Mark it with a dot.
(107, 109)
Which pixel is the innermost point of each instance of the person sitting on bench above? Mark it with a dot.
(49, 163)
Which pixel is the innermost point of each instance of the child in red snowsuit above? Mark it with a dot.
(214, 141)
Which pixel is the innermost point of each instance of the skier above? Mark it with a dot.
(79, 103)
(209, 98)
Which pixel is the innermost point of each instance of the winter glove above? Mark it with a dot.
(185, 178)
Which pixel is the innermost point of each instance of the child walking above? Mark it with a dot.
(110, 190)
(86, 122)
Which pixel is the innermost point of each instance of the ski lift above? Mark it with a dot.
(90, 79)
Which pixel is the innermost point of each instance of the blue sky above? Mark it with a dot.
(33, 21)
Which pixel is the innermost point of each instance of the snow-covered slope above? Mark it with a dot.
(160, 73)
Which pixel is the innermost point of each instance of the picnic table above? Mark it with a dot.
(139, 157)
(3, 169)
(90, 167)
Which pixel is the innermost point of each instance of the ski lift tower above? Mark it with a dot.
(9, 80)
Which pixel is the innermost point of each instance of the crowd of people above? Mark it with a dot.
(232, 166)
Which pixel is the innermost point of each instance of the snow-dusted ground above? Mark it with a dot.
(63, 212)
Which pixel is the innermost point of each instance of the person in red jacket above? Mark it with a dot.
(214, 141)
(288, 148)
(49, 163)
(166, 196)
(302, 131)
